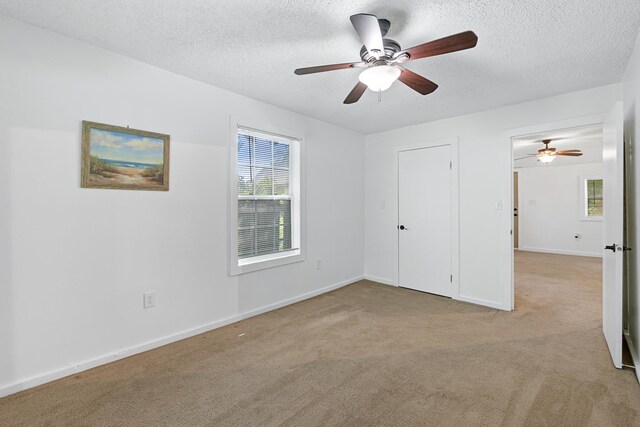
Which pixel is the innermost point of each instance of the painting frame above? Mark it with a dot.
(146, 177)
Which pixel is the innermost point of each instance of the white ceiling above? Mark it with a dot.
(527, 49)
(588, 139)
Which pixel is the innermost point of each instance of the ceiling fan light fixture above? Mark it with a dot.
(546, 158)
(380, 78)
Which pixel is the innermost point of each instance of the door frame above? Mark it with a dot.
(455, 207)
(508, 288)
(516, 208)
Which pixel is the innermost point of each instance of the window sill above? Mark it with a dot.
(592, 219)
(263, 262)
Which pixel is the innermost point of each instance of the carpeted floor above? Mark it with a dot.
(371, 354)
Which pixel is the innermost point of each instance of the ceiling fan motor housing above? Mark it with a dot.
(391, 47)
(547, 150)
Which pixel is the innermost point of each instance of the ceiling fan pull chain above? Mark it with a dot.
(379, 96)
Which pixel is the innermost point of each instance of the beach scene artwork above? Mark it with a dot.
(123, 158)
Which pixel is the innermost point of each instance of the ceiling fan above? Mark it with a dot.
(381, 58)
(548, 154)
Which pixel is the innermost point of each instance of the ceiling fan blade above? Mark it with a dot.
(323, 68)
(355, 93)
(454, 43)
(368, 30)
(560, 153)
(525, 157)
(569, 151)
(417, 82)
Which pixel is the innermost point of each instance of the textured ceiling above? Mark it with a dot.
(588, 139)
(527, 49)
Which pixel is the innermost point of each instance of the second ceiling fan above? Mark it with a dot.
(381, 58)
(548, 154)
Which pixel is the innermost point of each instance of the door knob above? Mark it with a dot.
(402, 227)
(612, 248)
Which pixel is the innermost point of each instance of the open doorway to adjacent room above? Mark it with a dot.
(558, 208)
(568, 225)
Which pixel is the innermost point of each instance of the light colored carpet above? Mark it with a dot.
(371, 354)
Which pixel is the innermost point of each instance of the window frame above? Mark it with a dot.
(584, 215)
(237, 265)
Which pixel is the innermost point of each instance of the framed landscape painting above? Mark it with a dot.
(123, 158)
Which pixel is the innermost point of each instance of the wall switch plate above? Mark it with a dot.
(149, 299)
(498, 205)
(318, 264)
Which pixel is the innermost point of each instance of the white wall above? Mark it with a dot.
(550, 210)
(485, 175)
(631, 91)
(75, 262)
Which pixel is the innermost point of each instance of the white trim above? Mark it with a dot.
(592, 219)
(234, 267)
(261, 262)
(7, 389)
(479, 301)
(380, 280)
(561, 252)
(634, 355)
(453, 142)
(506, 251)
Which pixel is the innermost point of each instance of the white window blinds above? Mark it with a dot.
(265, 196)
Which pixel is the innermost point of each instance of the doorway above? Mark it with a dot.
(558, 222)
(556, 231)
(516, 222)
(427, 219)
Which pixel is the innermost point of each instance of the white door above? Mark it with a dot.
(424, 212)
(613, 232)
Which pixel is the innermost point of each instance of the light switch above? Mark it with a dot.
(498, 205)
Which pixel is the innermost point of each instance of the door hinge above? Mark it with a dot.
(451, 278)
(450, 165)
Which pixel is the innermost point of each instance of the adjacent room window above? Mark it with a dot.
(592, 198)
(267, 200)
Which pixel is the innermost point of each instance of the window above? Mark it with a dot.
(592, 206)
(594, 197)
(265, 212)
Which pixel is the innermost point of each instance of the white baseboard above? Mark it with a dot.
(380, 280)
(479, 301)
(36, 380)
(634, 355)
(561, 252)
(476, 301)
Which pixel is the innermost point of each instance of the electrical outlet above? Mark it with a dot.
(149, 299)
(318, 264)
